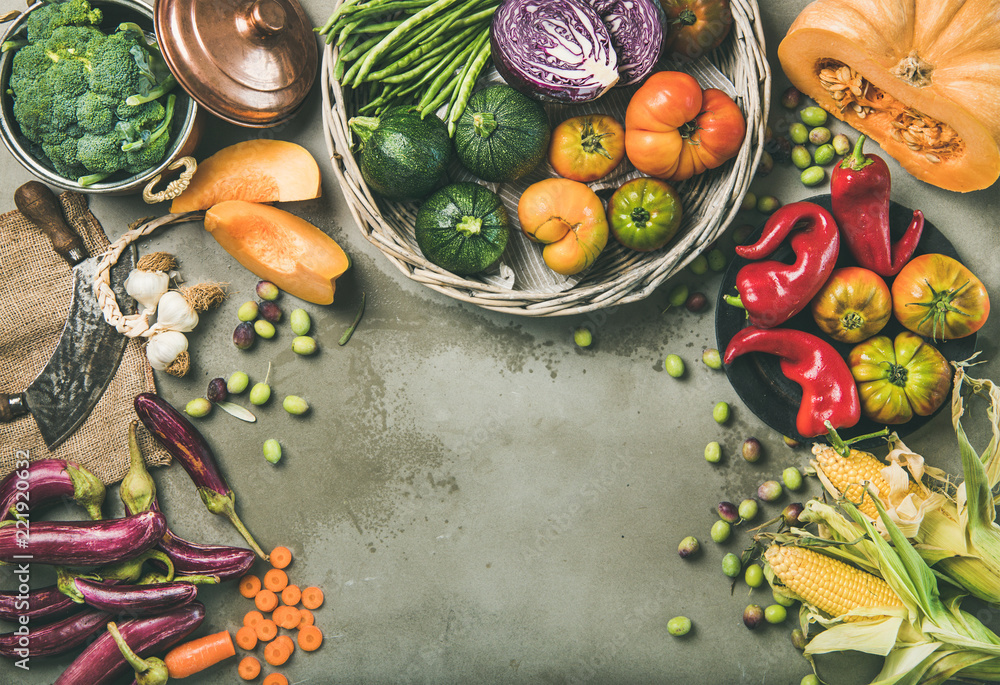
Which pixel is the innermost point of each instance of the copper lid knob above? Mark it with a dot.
(249, 62)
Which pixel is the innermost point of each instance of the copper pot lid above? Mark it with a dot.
(249, 62)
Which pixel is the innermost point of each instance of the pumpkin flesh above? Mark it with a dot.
(922, 78)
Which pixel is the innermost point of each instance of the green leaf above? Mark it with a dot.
(236, 410)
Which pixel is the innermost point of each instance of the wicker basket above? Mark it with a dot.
(620, 276)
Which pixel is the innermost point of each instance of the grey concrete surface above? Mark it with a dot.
(480, 500)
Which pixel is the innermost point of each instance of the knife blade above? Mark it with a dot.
(89, 351)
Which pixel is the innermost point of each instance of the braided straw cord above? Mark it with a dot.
(133, 325)
(620, 276)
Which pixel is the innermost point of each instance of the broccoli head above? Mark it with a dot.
(101, 154)
(63, 156)
(95, 112)
(46, 19)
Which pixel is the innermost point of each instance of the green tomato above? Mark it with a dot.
(899, 378)
(644, 214)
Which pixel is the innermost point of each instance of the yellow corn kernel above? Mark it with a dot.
(827, 583)
(848, 473)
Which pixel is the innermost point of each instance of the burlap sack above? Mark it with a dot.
(35, 289)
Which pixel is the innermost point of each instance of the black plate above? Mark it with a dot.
(757, 378)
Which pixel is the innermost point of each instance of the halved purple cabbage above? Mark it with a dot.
(637, 28)
(555, 50)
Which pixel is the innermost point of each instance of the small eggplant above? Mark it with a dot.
(137, 600)
(102, 662)
(81, 543)
(33, 606)
(47, 481)
(137, 489)
(187, 445)
(52, 638)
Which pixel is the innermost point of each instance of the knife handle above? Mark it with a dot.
(12, 406)
(37, 202)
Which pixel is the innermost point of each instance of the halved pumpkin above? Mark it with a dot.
(255, 171)
(921, 77)
(279, 247)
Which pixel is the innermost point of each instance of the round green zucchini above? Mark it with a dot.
(463, 228)
(502, 135)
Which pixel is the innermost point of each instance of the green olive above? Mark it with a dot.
(712, 358)
(304, 345)
(810, 679)
(801, 157)
(748, 509)
(731, 565)
(749, 202)
(754, 575)
(841, 144)
(775, 613)
(782, 599)
(813, 176)
(198, 407)
(247, 311)
(798, 133)
(716, 260)
(674, 365)
(824, 154)
(300, 321)
(264, 329)
(295, 405)
(679, 625)
(720, 531)
(792, 478)
(272, 451)
(237, 383)
(267, 290)
(768, 204)
(260, 393)
(699, 265)
(813, 116)
(583, 337)
(720, 412)
(713, 452)
(678, 295)
(820, 135)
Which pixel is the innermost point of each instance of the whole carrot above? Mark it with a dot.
(197, 655)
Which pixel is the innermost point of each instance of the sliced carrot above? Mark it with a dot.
(249, 668)
(276, 653)
(286, 643)
(291, 595)
(266, 600)
(310, 638)
(307, 618)
(281, 557)
(252, 618)
(275, 580)
(275, 679)
(197, 655)
(266, 630)
(246, 637)
(249, 585)
(312, 598)
(287, 617)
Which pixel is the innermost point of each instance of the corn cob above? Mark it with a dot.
(848, 473)
(827, 583)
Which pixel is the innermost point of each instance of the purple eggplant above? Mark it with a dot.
(138, 600)
(183, 441)
(52, 638)
(44, 603)
(102, 662)
(80, 543)
(47, 481)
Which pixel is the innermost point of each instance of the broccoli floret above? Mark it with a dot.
(113, 70)
(144, 116)
(95, 113)
(154, 143)
(43, 21)
(101, 154)
(63, 156)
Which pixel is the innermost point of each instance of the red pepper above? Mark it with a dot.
(828, 389)
(773, 292)
(859, 193)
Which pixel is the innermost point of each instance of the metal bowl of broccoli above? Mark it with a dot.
(86, 100)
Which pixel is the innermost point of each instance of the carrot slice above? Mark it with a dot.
(246, 637)
(252, 618)
(197, 655)
(266, 600)
(307, 618)
(291, 595)
(275, 653)
(287, 617)
(281, 557)
(310, 638)
(312, 598)
(249, 585)
(286, 643)
(266, 630)
(249, 668)
(275, 580)
(275, 679)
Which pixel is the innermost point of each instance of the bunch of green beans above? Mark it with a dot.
(424, 53)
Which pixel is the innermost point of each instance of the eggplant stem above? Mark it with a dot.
(151, 671)
(225, 505)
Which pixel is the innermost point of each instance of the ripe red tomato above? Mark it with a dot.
(939, 297)
(587, 147)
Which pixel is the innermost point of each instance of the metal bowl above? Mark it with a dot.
(115, 12)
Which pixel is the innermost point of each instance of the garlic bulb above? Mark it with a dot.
(146, 287)
(164, 347)
(176, 313)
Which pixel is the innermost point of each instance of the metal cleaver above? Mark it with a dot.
(89, 350)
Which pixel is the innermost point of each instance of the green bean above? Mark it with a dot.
(337, 13)
(443, 96)
(435, 87)
(483, 15)
(426, 33)
(384, 45)
(437, 62)
(361, 49)
(467, 81)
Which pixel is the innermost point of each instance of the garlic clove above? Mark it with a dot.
(147, 287)
(164, 347)
(175, 313)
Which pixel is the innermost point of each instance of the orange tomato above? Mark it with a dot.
(587, 147)
(675, 130)
(568, 218)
